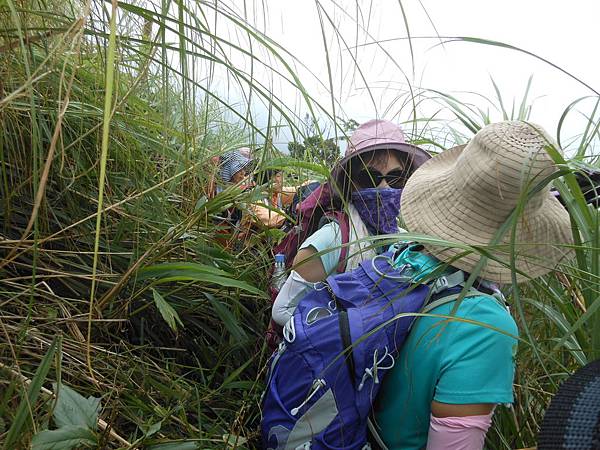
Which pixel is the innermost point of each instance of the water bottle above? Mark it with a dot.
(279, 275)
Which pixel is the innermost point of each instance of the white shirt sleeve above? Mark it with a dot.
(292, 291)
(327, 239)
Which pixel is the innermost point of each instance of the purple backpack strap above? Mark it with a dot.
(319, 198)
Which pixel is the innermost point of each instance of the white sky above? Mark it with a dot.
(566, 33)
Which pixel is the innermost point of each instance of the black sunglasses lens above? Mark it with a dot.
(369, 178)
(396, 179)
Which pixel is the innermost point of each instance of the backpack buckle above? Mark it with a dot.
(407, 272)
(439, 285)
(447, 281)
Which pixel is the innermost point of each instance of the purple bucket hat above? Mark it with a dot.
(380, 134)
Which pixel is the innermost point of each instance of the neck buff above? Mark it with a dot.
(378, 208)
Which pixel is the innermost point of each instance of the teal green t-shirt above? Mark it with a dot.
(447, 361)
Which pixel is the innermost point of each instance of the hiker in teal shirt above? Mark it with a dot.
(448, 362)
(457, 364)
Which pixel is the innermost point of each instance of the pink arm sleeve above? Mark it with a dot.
(458, 433)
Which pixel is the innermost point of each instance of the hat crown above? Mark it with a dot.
(467, 193)
(231, 163)
(504, 159)
(375, 132)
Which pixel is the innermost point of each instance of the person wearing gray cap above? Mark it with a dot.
(234, 166)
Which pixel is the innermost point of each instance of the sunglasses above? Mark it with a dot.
(371, 178)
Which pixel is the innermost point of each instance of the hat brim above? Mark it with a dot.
(415, 155)
(433, 204)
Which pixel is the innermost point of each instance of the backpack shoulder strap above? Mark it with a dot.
(497, 296)
(341, 218)
(449, 298)
(447, 282)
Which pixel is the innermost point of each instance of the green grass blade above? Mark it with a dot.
(25, 409)
(108, 94)
(500, 102)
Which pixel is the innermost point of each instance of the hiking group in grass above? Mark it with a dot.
(385, 342)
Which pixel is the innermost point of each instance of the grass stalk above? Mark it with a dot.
(108, 98)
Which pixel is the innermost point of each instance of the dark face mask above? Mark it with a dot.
(378, 208)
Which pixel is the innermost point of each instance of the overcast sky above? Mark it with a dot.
(372, 66)
(566, 33)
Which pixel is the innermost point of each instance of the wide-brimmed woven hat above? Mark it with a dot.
(467, 193)
(378, 134)
(573, 419)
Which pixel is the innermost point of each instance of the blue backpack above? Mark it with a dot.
(337, 347)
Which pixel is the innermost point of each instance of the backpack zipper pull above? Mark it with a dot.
(317, 384)
(372, 371)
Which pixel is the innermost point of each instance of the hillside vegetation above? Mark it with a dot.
(116, 281)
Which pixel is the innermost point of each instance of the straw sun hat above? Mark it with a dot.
(466, 194)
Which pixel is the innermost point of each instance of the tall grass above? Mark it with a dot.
(97, 187)
(109, 120)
